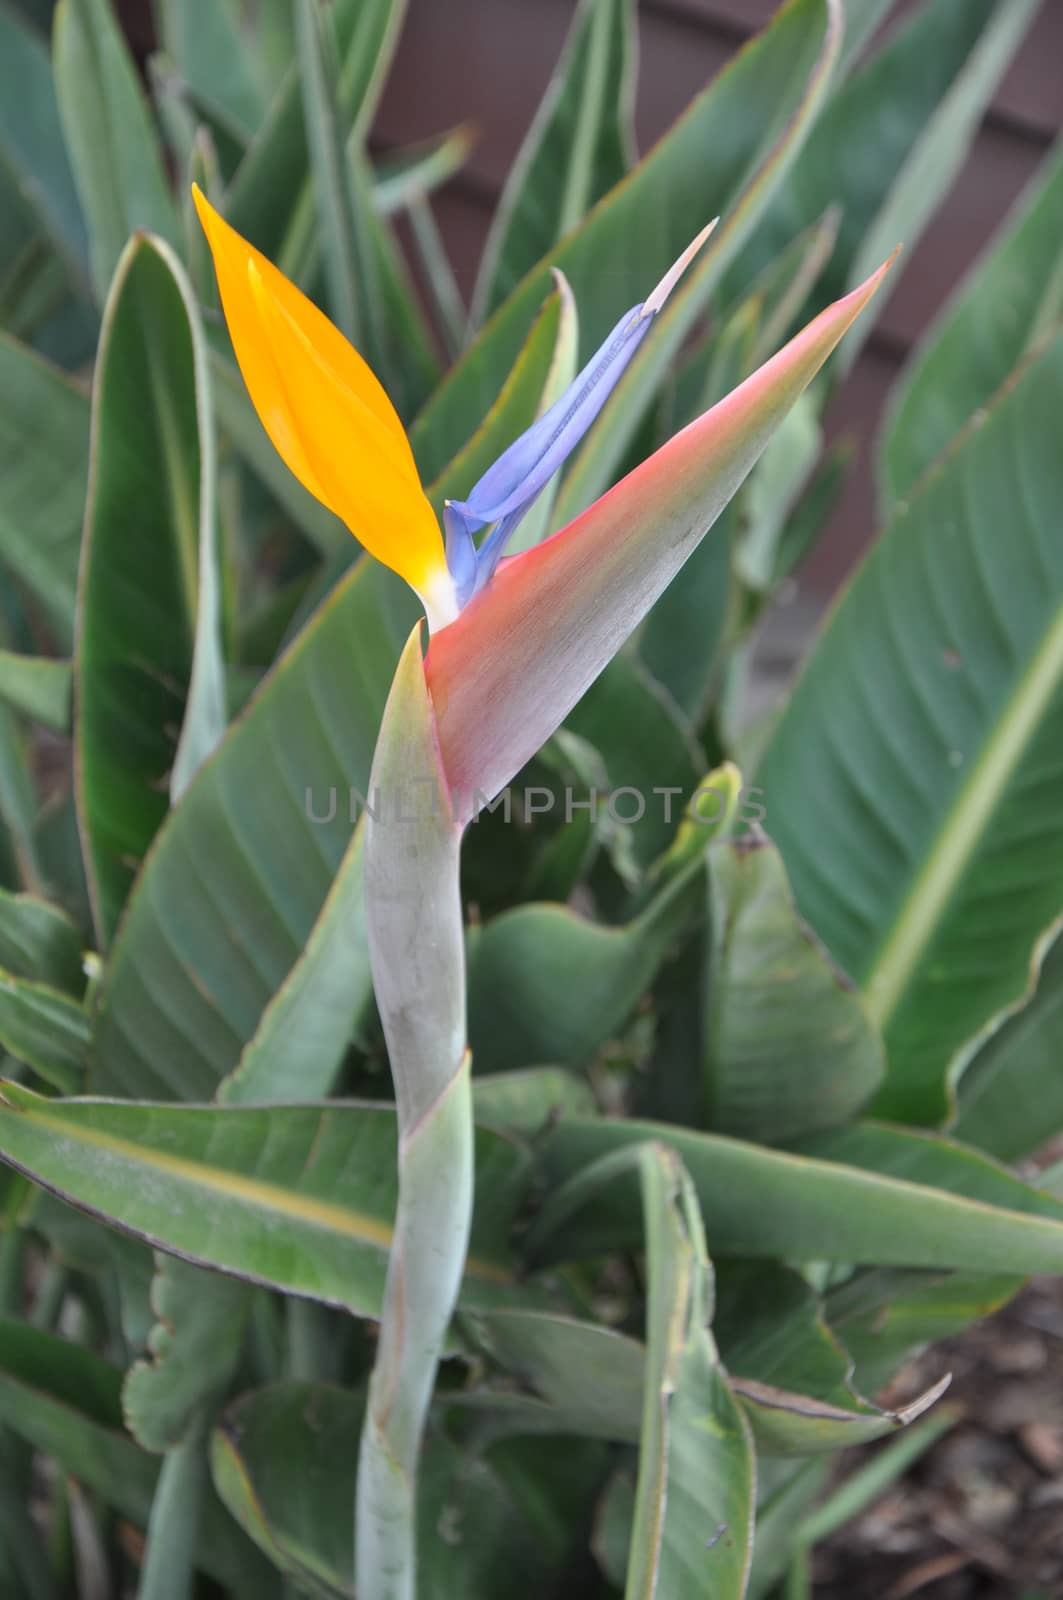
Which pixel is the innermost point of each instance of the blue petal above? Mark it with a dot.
(531, 461)
(461, 550)
(507, 489)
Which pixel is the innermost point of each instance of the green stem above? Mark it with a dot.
(169, 1569)
(416, 939)
(311, 1353)
(50, 1296)
(434, 1211)
(799, 1575)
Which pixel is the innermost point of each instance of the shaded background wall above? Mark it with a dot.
(488, 61)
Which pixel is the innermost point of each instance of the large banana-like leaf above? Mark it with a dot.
(38, 688)
(864, 137)
(884, 1316)
(150, 688)
(307, 1192)
(31, 142)
(1006, 304)
(39, 941)
(546, 984)
(271, 191)
(1011, 1095)
(193, 1350)
(302, 1036)
(283, 1465)
(44, 452)
(342, 202)
(110, 137)
(216, 60)
(692, 1528)
(578, 147)
(788, 1046)
(45, 1029)
(787, 1371)
(932, 1204)
(912, 783)
(938, 155)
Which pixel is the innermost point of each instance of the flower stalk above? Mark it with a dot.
(418, 958)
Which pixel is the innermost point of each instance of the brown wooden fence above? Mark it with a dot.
(489, 60)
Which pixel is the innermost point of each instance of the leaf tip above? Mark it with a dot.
(656, 298)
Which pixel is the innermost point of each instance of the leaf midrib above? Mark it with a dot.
(963, 828)
(256, 1192)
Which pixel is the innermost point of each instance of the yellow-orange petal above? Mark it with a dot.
(325, 411)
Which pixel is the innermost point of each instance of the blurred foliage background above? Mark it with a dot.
(812, 1050)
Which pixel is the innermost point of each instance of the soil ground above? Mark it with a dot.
(980, 1516)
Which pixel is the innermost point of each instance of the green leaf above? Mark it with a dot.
(790, 1372)
(44, 450)
(634, 233)
(301, 747)
(211, 51)
(402, 176)
(863, 1487)
(45, 1029)
(38, 688)
(772, 493)
(192, 1353)
(778, 1513)
(1011, 1094)
(110, 138)
(787, 1371)
(922, 739)
(651, 757)
(885, 1316)
(271, 195)
(145, 594)
(206, 709)
(31, 142)
(122, 1266)
(298, 1047)
(283, 1464)
(349, 259)
(788, 1043)
(578, 147)
(682, 639)
(546, 984)
(696, 1467)
(167, 1570)
(308, 1191)
(558, 1375)
(938, 155)
(809, 517)
(1010, 297)
(65, 1401)
(185, 120)
(39, 941)
(866, 135)
(523, 1102)
(800, 1207)
(18, 801)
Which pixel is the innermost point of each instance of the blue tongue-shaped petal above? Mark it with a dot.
(509, 486)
